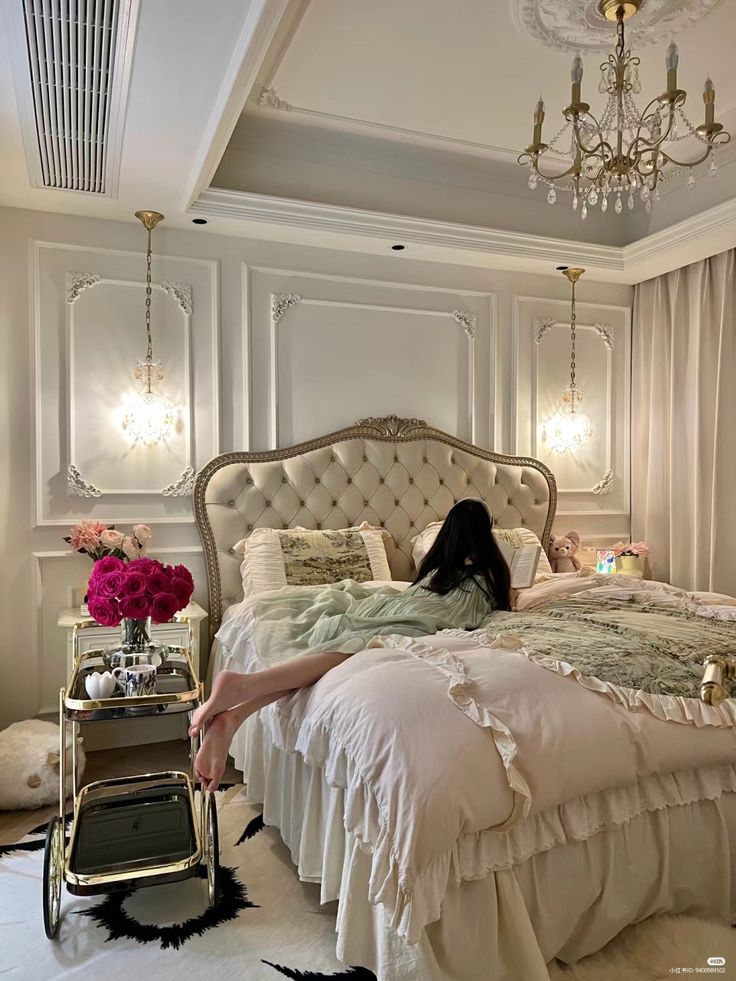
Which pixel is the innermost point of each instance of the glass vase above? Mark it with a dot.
(136, 646)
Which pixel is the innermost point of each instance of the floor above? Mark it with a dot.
(108, 763)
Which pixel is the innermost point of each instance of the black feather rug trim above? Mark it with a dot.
(252, 829)
(350, 974)
(111, 915)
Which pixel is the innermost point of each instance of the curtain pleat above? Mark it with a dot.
(684, 424)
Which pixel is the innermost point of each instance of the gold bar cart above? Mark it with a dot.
(144, 829)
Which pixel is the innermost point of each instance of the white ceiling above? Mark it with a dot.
(375, 115)
(464, 71)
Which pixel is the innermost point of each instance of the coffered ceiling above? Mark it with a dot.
(353, 124)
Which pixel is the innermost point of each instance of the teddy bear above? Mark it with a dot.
(562, 552)
(29, 764)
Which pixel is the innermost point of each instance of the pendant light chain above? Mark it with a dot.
(573, 386)
(149, 351)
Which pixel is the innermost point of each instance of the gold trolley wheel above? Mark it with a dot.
(212, 849)
(53, 876)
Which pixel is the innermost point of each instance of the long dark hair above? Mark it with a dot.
(466, 549)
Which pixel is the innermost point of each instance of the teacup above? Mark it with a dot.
(138, 679)
(100, 684)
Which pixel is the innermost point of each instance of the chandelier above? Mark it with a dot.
(568, 429)
(148, 417)
(625, 153)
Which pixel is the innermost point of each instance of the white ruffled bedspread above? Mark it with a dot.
(458, 759)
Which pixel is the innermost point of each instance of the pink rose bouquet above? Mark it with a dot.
(137, 589)
(97, 540)
(631, 548)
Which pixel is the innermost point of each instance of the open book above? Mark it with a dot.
(522, 561)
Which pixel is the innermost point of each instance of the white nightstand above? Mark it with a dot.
(182, 631)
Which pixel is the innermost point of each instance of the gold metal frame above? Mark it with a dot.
(389, 429)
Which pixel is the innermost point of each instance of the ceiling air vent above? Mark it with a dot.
(73, 98)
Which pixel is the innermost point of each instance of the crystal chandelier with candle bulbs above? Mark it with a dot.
(568, 429)
(624, 155)
(147, 416)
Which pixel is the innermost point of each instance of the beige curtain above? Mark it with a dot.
(684, 424)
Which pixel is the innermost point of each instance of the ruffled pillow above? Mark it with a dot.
(273, 558)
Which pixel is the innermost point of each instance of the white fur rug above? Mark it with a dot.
(267, 925)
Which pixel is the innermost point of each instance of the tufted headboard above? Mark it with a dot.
(400, 474)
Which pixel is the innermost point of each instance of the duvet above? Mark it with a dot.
(462, 753)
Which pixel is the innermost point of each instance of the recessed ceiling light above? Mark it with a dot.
(199, 221)
(398, 248)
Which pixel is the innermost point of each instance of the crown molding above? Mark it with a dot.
(331, 226)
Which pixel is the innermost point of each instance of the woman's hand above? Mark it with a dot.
(513, 598)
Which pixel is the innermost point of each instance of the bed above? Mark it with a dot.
(476, 804)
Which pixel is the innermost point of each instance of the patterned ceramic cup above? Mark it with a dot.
(138, 679)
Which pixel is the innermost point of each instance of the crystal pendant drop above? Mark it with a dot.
(691, 180)
(713, 169)
(657, 195)
(648, 207)
(602, 87)
(575, 202)
(645, 193)
(630, 201)
(533, 180)
(584, 211)
(551, 196)
(604, 203)
(593, 198)
(619, 205)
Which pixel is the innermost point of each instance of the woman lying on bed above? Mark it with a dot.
(462, 579)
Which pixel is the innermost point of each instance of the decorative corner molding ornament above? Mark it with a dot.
(77, 282)
(578, 27)
(182, 293)
(182, 487)
(542, 328)
(605, 333)
(78, 486)
(280, 303)
(392, 425)
(268, 99)
(468, 322)
(604, 484)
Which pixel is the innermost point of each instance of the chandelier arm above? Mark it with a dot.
(650, 145)
(686, 164)
(526, 158)
(602, 143)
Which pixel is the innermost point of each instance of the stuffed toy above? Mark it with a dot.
(562, 552)
(29, 764)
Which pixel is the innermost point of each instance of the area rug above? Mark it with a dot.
(266, 925)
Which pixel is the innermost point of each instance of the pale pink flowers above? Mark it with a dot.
(85, 537)
(631, 548)
(98, 540)
(112, 538)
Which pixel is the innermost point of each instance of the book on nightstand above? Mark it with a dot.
(522, 562)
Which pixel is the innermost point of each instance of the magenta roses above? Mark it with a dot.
(137, 590)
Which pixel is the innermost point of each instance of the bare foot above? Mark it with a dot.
(228, 689)
(210, 761)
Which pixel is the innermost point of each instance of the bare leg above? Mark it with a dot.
(232, 688)
(209, 763)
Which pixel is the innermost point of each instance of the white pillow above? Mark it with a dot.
(422, 543)
(273, 558)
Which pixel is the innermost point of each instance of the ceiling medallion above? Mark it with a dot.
(572, 25)
(623, 152)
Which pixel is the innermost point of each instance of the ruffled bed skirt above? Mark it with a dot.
(492, 909)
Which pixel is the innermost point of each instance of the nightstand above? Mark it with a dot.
(182, 631)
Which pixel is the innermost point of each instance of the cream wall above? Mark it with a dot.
(467, 349)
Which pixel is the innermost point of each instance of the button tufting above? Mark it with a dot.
(268, 504)
(442, 480)
(424, 459)
(365, 459)
(334, 504)
(333, 458)
(316, 480)
(250, 528)
(231, 504)
(380, 480)
(396, 502)
(301, 504)
(350, 480)
(411, 480)
(284, 480)
(365, 504)
(426, 502)
(249, 480)
(396, 459)
(319, 526)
